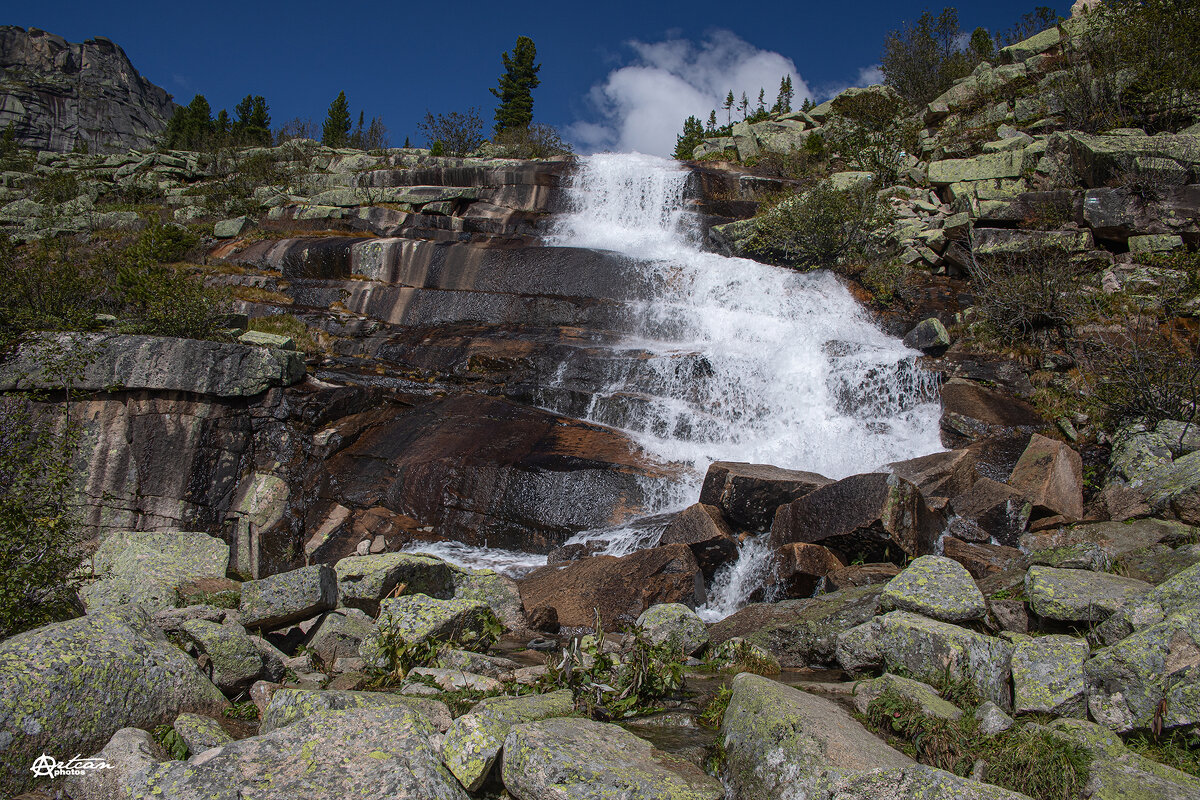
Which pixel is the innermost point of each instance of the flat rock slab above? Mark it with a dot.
(909, 783)
(381, 751)
(365, 580)
(474, 740)
(71, 685)
(578, 759)
(1078, 595)
(1048, 676)
(288, 597)
(776, 737)
(147, 567)
(290, 705)
(937, 587)
(924, 695)
(161, 363)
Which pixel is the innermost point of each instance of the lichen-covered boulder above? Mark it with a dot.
(937, 587)
(71, 685)
(381, 751)
(1078, 595)
(339, 634)
(1099, 545)
(200, 733)
(929, 650)
(916, 782)
(288, 597)
(674, 625)
(776, 737)
(146, 567)
(289, 705)
(1118, 773)
(479, 663)
(578, 759)
(1048, 676)
(365, 580)
(130, 750)
(418, 618)
(474, 740)
(1177, 594)
(228, 656)
(924, 695)
(454, 680)
(1129, 682)
(992, 719)
(498, 592)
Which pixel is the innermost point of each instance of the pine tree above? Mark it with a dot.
(807, 105)
(222, 128)
(783, 102)
(336, 130)
(744, 105)
(729, 108)
(190, 127)
(258, 127)
(516, 86)
(711, 127)
(686, 142)
(762, 108)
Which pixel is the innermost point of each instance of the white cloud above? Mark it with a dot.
(642, 106)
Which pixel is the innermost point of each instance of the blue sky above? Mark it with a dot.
(616, 74)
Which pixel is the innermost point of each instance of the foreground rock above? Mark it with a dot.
(1118, 773)
(147, 567)
(72, 685)
(365, 580)
(777, 739)
(674, 625)
(909, 783)
(621, 588)
(474, 741)
(578, 759)
(129, 751)
(290, 705)
(1048, 676)
(936, 587)
(366, 752)
(1074, 595)
(288, 597)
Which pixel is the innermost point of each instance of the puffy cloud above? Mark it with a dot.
(642, 106)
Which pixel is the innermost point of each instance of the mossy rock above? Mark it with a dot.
(290, 705)
(937, 587)
(1118, 773)
(365, 580)
(674, 625)
(1048, 676)
(1076, 595)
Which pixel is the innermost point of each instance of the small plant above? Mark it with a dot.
(714, 713)
(820, 227)
(536, 141)
(171, 741)
(457, 133)
(290, 326)
(244, 710)
(1031, 293)
(398, 655)
(1176, 749)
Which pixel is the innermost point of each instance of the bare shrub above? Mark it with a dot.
(1029, 293)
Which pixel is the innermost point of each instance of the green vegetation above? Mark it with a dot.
(1030, 293)
(516, 86)
(453, 134)
(335, 132)
(1033, 761)
(290, 326)
(870, 131)
(923, 59)
(821, 226)
(692, 136)
(171, 741)
(192, 127)
(714, 713)
(243, 710)
(536, 141)
(1176, 749)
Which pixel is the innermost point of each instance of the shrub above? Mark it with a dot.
(1029, 293)
(57, 188)
(458, 133)
(869, 129)
(922, 60)
(290, 326)
(820, 226)
(536, 141)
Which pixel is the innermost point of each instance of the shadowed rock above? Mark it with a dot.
(749, 494)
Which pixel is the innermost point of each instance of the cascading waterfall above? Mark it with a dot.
(728, 359)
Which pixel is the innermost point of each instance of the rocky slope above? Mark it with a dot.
(59, 95)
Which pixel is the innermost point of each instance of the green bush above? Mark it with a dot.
(820, 227)
(869, 130)
(923, 59)
(536, 141)
(163, 244)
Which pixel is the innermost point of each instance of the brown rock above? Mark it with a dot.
(702, 528)
(971, 412)
(946, 474)
(981, 559)
(1010, 615)
(877, 517)
(1010, 582)
(621, 588)
(749, 494)
(799, 568)
(860, 575)
(1050, 474)
(545, 619)
(990, 510)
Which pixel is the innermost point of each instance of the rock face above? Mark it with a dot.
(61, 95)
(621, 588)
(777, 738)
(72, 685)
(383, 751)
(749, 494)
(558, 759)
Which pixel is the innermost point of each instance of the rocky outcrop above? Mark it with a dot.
(60, 95)
(148, 568)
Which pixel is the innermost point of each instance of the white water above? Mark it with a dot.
(746, 362)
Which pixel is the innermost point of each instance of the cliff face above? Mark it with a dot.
(59, 94)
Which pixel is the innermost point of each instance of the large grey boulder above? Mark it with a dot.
(1099, 545)
(381, 751)
(146, 567)
(71, 685)
(1048, 676)
(924, 695)
(339, 634)
(419, 618)
(289, 705)
(578, 759)
(161, 363)
(674, 625)
(200, 733)
(288, 597)
(227, 654)
(498, 592)
(1179, 593)
(130, 750)
(916, 782)
(1078, 595)
(929, 651)
(936, 587)
(473, 742)
(776, 738)
(1151, 677)
(365, 580)
(1118, 773)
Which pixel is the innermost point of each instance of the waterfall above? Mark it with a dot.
(728, 359)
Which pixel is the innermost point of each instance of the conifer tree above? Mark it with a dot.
(729, 108)
(762, 108)
(336, 130)
(686, 142)
(744, 105)
(783, 102)
(711, 127)
(515, 89)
